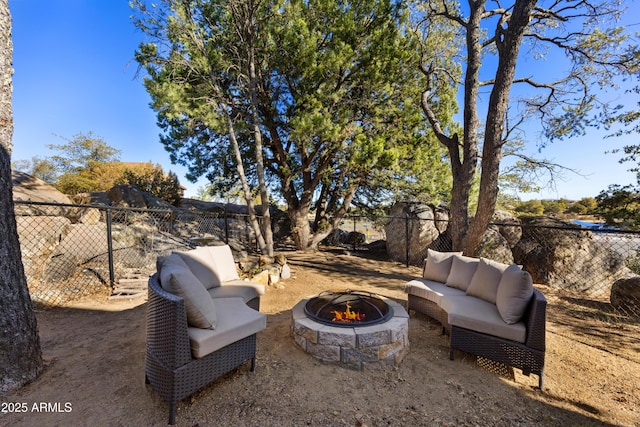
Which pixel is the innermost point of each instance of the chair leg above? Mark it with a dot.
(541, 380)
(253, 364)
(172, 413)
(146, 379)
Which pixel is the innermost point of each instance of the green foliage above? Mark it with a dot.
(39, 167)
(155, 182)
(530, 207)
(81, 151)
(584, 206)
(338, 102)
(620, 206)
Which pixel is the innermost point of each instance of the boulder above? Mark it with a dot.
(355, 238)
(495, 246)
(625, 295)
(128, 196)
(30, 188)
(563, 255)
(415, 220)
(511, 233)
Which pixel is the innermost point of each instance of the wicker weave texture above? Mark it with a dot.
(528, 357)
(170, 369)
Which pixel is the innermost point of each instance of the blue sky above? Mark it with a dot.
(74, 73)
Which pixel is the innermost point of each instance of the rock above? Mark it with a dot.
(30, 188)
(511, 233)
(280, 259)
(89, 216)
(568, 257)
(494, 246)
(336, 237)
(266, 260)
(261, 278)
(127, 196)
(274, 274)
(355, 238)
(417, 220)
(625, 295)
(285, 273)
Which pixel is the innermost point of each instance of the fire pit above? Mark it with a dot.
(348, 309)
(354, 329)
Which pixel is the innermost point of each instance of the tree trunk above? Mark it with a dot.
(253, 220)
(20, 352)
(257, 134)
(508, 42)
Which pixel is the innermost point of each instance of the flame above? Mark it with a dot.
(347, 315)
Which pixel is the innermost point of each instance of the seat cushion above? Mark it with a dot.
(462, 270)
(235, 322)
(239, 289)
(438, 265)
(481, 316)
(484, 283)
(514, 293)
(179, 280)
(430, 290)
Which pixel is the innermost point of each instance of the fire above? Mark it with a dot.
(347, 315)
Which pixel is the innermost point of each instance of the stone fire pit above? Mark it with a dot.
(382, 345)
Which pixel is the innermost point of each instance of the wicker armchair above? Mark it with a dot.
(170, 367)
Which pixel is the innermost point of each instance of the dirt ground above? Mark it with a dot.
(95, 351)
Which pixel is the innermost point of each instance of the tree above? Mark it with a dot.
(490, 41)
(81, 151)
(332, 93)
(620, 205)
(20, 352)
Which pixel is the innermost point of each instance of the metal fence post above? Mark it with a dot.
(406, 232)
(355, 239)
(112, 273)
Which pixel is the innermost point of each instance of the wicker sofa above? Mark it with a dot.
(490, 309)
(202, 322)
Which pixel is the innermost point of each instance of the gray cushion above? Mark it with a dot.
(481, 316)
(225, 264)
(484, 283)
(462, 270)
(430, 290)
(514, 293)
(179, 281)
(201, 263)
(238, 289)
(235, 322)
(438, 265)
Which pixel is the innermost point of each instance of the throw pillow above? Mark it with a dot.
(438, 265)
(514, 293)
(485, 281)
(462, 270)
(180, 281)
(203, 266)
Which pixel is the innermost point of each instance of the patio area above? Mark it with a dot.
(95, 361)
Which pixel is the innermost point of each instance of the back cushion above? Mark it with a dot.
(201, 263)
(225, 264)
(178, 280)
(438, 265)
(485, 281)
(514, 293)
(462, 270)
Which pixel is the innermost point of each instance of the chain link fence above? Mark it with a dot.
(73, 251)
(599, 268)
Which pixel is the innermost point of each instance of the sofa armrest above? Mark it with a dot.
(167, 336)
(535, 319)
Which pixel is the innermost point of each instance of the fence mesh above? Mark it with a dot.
(72, 251)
